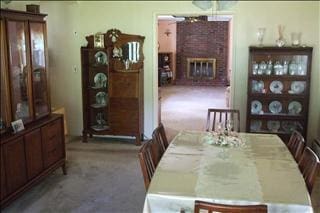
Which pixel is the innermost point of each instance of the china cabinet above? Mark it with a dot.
(31, 154)
(112, 85)
(24, 90)
(278, 90)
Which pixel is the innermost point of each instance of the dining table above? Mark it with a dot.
(241, 169)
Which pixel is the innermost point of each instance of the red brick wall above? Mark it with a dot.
(202, 40)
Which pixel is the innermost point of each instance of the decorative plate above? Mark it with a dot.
(276, 87)
(297, 87)
(290, 126)
(101, 58)
(255, 125)
(256, 107)
(273, 126)
(275, 107)
(257, 86)
(100, 80)
(294, 108)
(101, 98)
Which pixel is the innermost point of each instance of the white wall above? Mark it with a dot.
(140, 18)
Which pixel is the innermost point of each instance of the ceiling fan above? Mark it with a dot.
(207, 4)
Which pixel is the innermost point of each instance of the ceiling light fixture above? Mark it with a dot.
(220, 4)
(167, 32)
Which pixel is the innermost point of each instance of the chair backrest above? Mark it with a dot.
(221, 116)
(146, 162)
(213, 207)
(296, 145)
(159, 135)
(316, 147)
(309, 167)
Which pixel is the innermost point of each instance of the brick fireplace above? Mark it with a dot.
(207, 42)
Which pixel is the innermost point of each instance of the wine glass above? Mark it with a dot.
(260, 34)
(219, 127)
(229, 125)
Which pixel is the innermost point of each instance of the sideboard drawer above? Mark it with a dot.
(52, 142)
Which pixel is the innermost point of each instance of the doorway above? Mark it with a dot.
(192, 80)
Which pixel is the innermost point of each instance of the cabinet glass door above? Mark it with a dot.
(39, 69)
(4, 117)
(19, 74)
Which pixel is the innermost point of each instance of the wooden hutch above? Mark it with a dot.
(112, 85)
(31, 154)
(279, 90)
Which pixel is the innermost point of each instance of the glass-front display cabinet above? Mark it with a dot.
(278, 90)
(112, 85)
(24, 89)
(95, 77)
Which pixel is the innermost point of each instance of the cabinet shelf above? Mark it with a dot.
(99, 128)
(271, 132)
(276, 96)
(97, 88)
(279, 77)
(98, 106)
(282, 116)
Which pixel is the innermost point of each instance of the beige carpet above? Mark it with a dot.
(104, 176)
(185, 107)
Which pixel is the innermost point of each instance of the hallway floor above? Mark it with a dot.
(185, 107)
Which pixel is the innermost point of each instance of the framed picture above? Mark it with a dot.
(17, 126)
(99, 40)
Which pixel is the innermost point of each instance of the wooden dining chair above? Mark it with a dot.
(159, 135)
(296, 145)
(146, 162)
(221, 116)
(309, 167)
(222, 208)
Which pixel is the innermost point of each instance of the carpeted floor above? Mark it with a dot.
(103, 176)
(185, 107)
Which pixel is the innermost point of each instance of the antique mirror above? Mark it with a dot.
(127, 49)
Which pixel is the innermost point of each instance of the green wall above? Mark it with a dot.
(69, 23)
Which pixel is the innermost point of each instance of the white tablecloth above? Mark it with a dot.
(262, 171)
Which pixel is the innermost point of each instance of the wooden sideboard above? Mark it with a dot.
(30, 155)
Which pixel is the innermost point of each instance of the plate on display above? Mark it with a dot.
(294, 108)
(100, 80)
(275, 107)
(297, 87)
(101, 58)
(276, 87)
(273, 126)
(290, 126)
(256, 107)
(257, 86)
(255, 125)
(101, 98)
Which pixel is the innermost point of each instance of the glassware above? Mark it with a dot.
(285, 67)
(229, 126)
(280, 41)
(295, 39)
(260, 34)
(220, 127)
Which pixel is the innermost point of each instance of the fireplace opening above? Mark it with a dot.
(201, 68)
